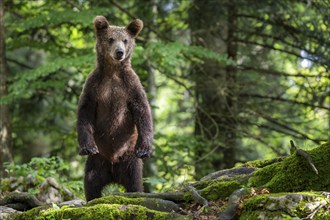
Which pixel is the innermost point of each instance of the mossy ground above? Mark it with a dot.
(261, 163)
(99, 211)
(294, 174)
(281, 176)
(116, 200)
(285, 206)
(217, 189)
(151, 203)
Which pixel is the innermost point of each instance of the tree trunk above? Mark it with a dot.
(215, 84)
(5, 129)
(149, 11)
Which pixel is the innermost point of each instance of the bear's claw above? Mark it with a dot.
(142, 153)
(88, 151)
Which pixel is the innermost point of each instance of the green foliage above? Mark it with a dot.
(39, 167)
(32, 174)
(31, 81)
(55, 18)
(176, 54)
(175, 160)
(49, 50)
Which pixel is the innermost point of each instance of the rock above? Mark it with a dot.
(67, 194)
(278, 206)
(20, 201)
(52, 182)
(30, 180)
(52, 192)
(100, 211)
(294, 174)
(150, 203)
(75, 203)
(7, 213)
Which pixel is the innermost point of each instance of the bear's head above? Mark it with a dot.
(115, 44)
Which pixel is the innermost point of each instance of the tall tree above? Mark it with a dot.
(5, 126)
(276, 79)
(216, 88)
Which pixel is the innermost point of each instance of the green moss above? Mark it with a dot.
(5, 185)
(31, 214)
(283, 205)
(115, 200)
(217, 189)
(261, 163)
(187, 196)
(263, 176)
(294, 174)
(100, 211)
(150, 203)
(262, 215)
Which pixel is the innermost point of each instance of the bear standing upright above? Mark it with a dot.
(114, 118)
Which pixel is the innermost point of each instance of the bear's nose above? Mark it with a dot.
(119, 53)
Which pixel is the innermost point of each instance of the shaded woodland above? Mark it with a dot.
(228, 81)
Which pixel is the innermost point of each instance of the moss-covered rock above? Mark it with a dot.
(281, 177)
(151, 203)
(99, 211)
(286, 206)
(7, 213)
(294, 174)
(31, 214)
(217, 189)
(261, 163)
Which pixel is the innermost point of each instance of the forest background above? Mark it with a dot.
(228, 81)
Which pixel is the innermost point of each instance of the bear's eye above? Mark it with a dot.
(125, 41)
(111, 40)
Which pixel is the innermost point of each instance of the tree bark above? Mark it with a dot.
(5, 127)
(215, 82)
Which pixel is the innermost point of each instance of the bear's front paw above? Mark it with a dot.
(143, 153)
(88, 151)
(143, 148)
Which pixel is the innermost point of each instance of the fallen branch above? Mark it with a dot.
(305, 155)
(230, 212)
(196, 197)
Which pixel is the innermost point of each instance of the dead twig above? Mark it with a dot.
(305, 155)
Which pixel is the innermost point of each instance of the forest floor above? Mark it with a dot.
(292, 187)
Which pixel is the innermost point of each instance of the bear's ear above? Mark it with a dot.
(100, 23)
(135, 27)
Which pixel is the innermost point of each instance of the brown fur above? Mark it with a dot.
(114, 118)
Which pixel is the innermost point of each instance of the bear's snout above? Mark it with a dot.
(119, 54)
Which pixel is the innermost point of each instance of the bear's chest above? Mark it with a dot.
(112, 113)
(112, 91)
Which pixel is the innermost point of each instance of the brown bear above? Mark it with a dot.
(114, 118)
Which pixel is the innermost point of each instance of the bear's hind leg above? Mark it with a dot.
(131, 178)
(96, 176)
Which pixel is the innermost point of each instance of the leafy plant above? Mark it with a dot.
(30, 175)
(39, 167)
